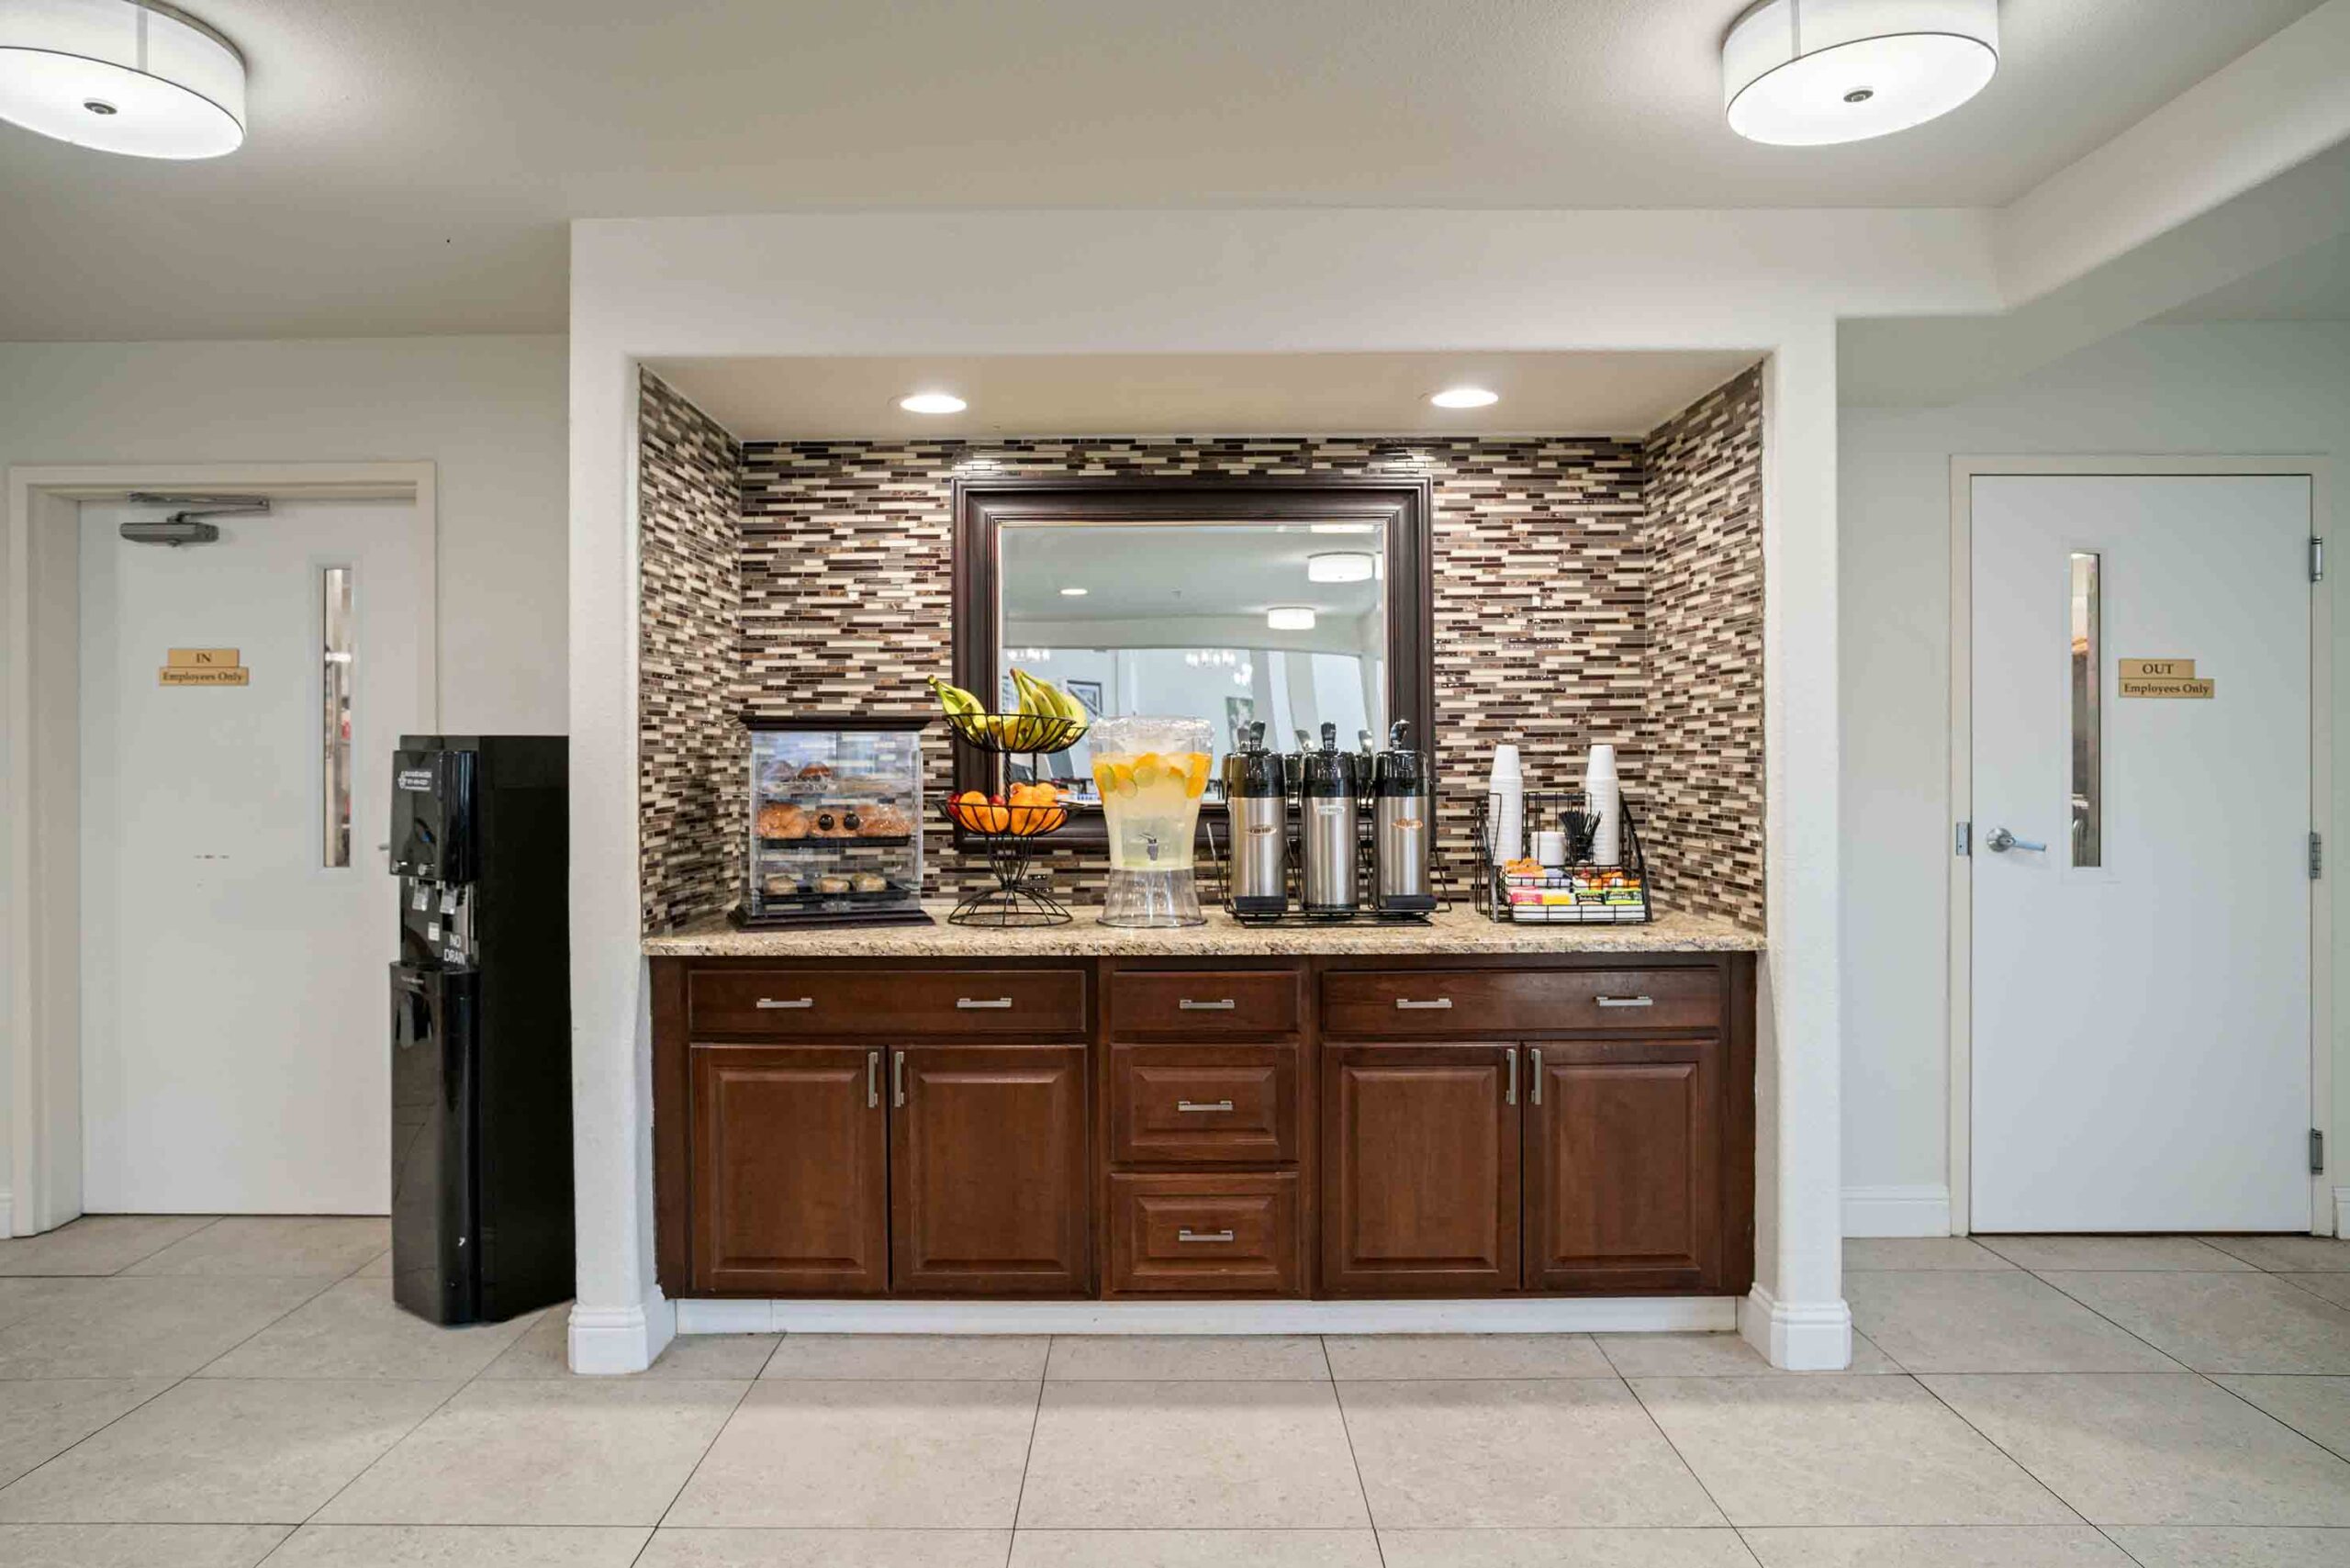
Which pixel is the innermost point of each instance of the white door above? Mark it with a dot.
(235, 1056)
(2141, 987)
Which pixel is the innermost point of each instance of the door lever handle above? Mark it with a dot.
(1999, 841)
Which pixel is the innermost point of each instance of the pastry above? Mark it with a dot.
(815, 770)
(882, 822)
(779, 820)
(780, 885)
(831, 823)
(870, 883)
(832, 884)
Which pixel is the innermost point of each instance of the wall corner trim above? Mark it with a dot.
(2341, 1210)
(608, 1341)
(1897, 1211)
(1797, 1335)
(8, 1213)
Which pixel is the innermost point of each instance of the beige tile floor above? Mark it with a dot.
(216, 1394)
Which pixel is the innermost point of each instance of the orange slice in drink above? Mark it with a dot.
(1149, 768)
(1195, 783)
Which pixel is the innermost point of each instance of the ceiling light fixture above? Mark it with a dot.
(1290, 618)
(1464, 398)
(1075, 592)
(1340, 566)
(1809, 72)
(933, 403)
(132, 76)
(1344, 527)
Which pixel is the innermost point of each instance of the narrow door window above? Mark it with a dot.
(334, 685)
(2088, 763)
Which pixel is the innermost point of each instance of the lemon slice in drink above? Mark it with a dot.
(1149, 768)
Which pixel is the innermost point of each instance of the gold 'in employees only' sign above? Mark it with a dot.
(2165, 677)
(203, 666)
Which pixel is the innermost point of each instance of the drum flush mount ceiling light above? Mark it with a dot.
(1808, 73)
(131, 76)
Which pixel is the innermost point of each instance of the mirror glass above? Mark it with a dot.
(1227, 621)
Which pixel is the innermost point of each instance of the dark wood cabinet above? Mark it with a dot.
(1623, 1165)
(987, 1171)
(790, 1149)
(1346, 1126)
(1419, 1169)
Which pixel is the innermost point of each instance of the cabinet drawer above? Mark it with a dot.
(1205, 1235)
(828, 1003)
(1203, 1003)
(1484, 1003)
(1203, 1105)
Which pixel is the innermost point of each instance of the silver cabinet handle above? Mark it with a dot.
(1203, 1105)
(1534, 1062)
(768, 1003)
(872, 1080)
(1188, 1235)
(1509, 1091)
(974, 1004)
(1222, 1004)
(898, 1077)
(1628, 1002)
(1409, 1004)
(1999, 841)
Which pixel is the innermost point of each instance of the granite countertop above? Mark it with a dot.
(1459, 931)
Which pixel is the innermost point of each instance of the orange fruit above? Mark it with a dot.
(1196, 783)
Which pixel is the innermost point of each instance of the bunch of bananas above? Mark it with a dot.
(1049, 719)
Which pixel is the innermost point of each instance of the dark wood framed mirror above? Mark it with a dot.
(1294, 599)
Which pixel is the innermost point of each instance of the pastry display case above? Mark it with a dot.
(835, 822)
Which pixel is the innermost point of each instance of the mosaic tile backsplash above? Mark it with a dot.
(1546, 559)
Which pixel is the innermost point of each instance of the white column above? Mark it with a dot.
(1796, 1315)
(620, 1321)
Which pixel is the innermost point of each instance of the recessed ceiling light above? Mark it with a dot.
(933, 403)
(1464, 398)
(1809, 72)
(1074, 592)
(1340, 566)
(1290, 618)
(145, 79)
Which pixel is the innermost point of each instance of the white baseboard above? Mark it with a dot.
(1611, 1315)
(608, 1341)
(1797, 1335)
(1896, 1211)
(2341, 1210)
(8, 1213)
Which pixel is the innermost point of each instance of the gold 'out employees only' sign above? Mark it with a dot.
(2165, 677)
(203, 666)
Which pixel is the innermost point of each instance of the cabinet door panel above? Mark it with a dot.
(1623, 1149)
(1420, 1170)
(988, 1172)
(790, 1174)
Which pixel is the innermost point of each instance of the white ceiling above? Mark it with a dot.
(412, 165)
(2313, 286)
(1328, 393)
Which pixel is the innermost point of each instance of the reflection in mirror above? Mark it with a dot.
(1230, 623)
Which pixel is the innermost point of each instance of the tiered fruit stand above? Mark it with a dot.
(1011, 837)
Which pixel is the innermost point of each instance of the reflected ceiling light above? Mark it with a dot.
(1345, 527)
(1290, 618)
(1075, 592)
(1340, 566)
(933, 403)
(1808, 73)
(144, 79)
(1464, 398)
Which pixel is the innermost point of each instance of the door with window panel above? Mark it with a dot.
(236, 919)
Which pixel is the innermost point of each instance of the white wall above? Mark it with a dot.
(488, 412)
(2228, 388)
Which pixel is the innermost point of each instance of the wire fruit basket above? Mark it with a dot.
(1010, 834)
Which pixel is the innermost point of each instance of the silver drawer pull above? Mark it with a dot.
(771, 1002)
(1410, 1003)
(1203, 1236)
(1203, 1105)
(974, 1004)
(1222, 1004)
(1628, 1002)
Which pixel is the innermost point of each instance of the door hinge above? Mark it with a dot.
(2317, 856)
(1962, 840)
(2317, 559)
(2317, 1152)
